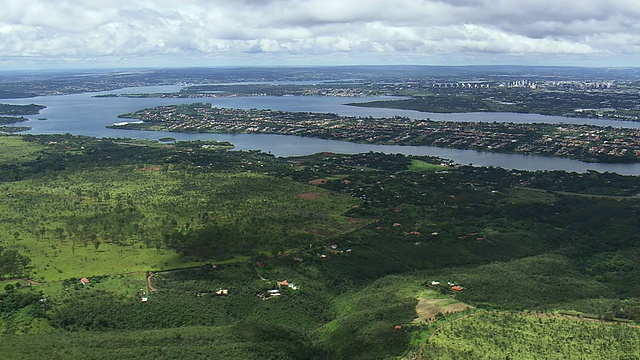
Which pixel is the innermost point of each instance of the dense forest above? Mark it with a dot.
(120, 248)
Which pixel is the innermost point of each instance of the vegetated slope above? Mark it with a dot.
(533, 336)
(245, 340)
(105, 219)
(365, 320)
(15, 151)
(375, 234)
(346, 321)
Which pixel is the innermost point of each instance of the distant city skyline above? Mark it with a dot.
(68, 34)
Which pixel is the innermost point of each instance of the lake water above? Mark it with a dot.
(83, 114)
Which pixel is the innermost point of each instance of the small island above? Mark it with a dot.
(13, 114)
(13, 129)
(6, 121)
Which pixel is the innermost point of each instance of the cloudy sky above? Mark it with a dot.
(170, 33)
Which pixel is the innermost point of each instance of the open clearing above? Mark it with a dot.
(15, 150)
(428, 309)
(310, 195)
(318, 182)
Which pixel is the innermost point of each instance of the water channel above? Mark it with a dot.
(84, 114)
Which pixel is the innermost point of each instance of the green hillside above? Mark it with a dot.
(533, 336)
(118, 248)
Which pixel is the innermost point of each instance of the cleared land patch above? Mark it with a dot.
(310, 195)
(419, 165)
(151, 168)
(318, 182)
(15, 150)
(429, 308)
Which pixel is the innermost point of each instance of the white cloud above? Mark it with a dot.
(320, 31)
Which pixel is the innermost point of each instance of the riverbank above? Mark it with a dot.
(581, 142)
(82, 114)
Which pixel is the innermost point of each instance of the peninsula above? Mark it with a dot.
(581, 142)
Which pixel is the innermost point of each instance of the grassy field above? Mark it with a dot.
(419, 165)
(532, 336)
(110, 220)
(15, 150)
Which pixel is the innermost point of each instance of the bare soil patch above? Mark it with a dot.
(428, 309)
(318, 182)
(151, 168)
(310, 196)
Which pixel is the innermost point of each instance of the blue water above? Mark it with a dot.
(83, 114)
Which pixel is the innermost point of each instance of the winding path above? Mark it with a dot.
(151, 288)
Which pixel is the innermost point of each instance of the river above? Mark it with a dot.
(84, 114)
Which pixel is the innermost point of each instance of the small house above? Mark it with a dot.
(222, 292)
(84, 281)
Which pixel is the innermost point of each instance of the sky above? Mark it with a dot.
(61, 34)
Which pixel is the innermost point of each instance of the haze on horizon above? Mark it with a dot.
(66, 34)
